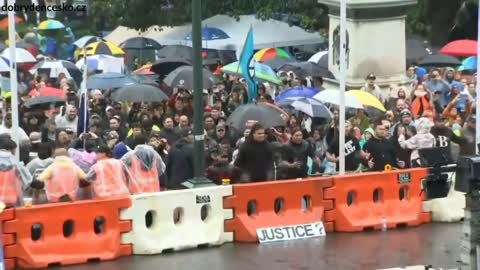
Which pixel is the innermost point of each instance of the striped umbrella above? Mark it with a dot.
(50, 25)
(261, 72)
(85, 40)
(4, 64)
(269, 54)
(102, 47)
(21, 55)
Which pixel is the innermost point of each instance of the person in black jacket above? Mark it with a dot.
(180, 160)
(255, 157)
(381, 151)
(297, 152)
(444, 135)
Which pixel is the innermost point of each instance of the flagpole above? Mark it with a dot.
(13, 77)
(84, 92)
(477, 97)
(341, 126)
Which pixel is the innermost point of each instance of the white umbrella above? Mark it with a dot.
(4, 64)
(85, 40)
(318, 56)
(333, 97)
(105, 63)
(312, 107)
(21, 55)
(55, 67)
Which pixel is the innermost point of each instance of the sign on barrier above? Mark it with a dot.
(293, 232)
(176, 220)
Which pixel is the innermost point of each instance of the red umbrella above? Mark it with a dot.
(53, 92)
(461, 48)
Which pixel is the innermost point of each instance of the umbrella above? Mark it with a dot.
(438, 60)
(164, 66)
(305, 69)
(460, 48)
(50, 25)
(54, 68)
(139, 93)
(210, 33)
(266, 114)
(102, 47)
(140, 43)
(262, 72)
(469, 64)
(312, 107)
(417, 48)
(321, 58)
(4, 64)
(44, 102)
(333, 97)
(21, 55)
(109, 80)
(102, 62)
(85, 40)
(276, 63)
(268, 54)
(183, 76)
(209, 56)
(296, 93)
(366, 99)
(52, 92)
(4, 22)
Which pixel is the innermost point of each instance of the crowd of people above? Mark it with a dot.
(131, 148)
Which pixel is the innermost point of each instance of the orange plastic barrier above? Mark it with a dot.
(297, 202)
(7, 239)
(68, 233)
(365, 201)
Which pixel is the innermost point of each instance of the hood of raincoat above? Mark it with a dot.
(423, 125)
(146, 154)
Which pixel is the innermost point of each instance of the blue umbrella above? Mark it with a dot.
(469, 63)
(210, 33)
(296, 92)
(109, 80)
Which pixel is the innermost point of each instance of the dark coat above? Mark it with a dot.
(179, 164)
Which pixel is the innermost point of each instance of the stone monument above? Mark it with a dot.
(375, 41)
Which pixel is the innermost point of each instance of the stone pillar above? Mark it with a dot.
(375, 41)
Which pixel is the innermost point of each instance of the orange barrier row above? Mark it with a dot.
(8, 239)
(67, 233)
(367, 201)
(272, 204)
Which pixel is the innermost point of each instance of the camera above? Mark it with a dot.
(468, 174)
(438, 160)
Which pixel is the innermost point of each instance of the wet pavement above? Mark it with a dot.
(434, 244)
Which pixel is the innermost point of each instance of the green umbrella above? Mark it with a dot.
(261, 72)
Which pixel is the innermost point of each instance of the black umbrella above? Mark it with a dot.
(438, 60)
(44, 103)
(417, 48)
(210, 56)
(164, 66)
(266, 114)
(305, 69)
(183, 76)
(277, 62)
(140, 43)
(139, 93)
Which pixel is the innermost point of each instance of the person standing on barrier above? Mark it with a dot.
(61, 179)
(381, 151)
(109, 176)
(14, 178)
(145, 166)
(255, 157)
(353, 152)
(297, 152)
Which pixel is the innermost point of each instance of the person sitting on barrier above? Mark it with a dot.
(381, 151)
(353, 153)
(145, 166)
(61, 179)
(14, 177)
(255, 157)
(423, 139)
(108, 176)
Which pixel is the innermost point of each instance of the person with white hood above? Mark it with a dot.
(423, 139)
